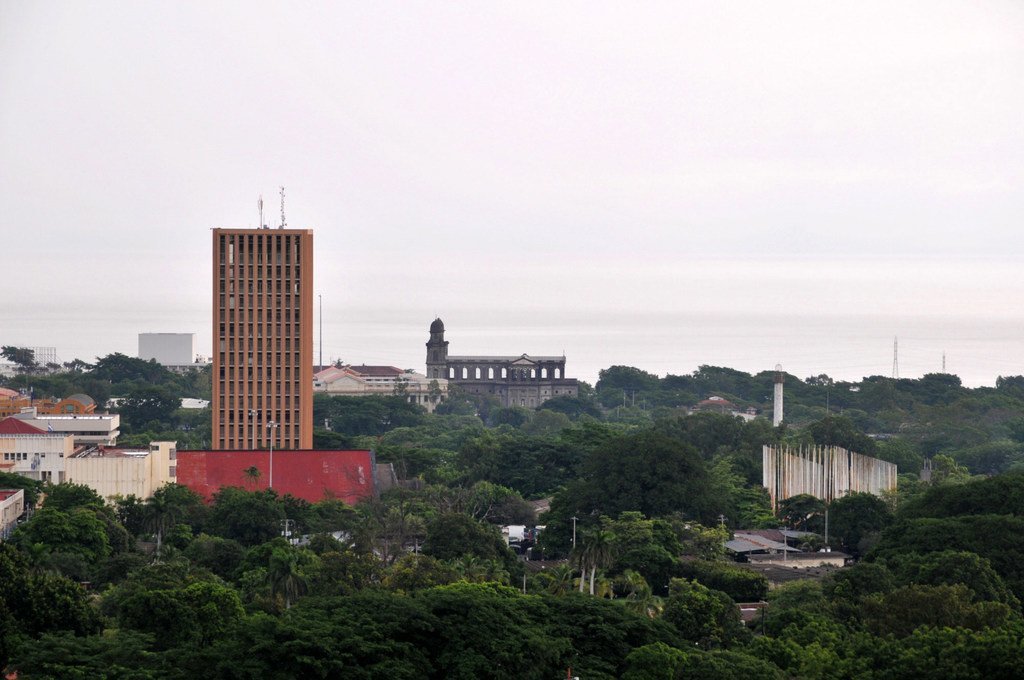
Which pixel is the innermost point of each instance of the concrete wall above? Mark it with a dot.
(802, 560)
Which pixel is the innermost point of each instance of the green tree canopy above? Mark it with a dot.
(856, 517)
(452, 535)
(249, 517)
(706, 617)
(648, 472)
(840, 431)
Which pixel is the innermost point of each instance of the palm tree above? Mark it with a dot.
(561, 579)
(497, 572)
(467, 567)
(285, 576)
(597, 553)
(38, 557)
(579, 558)
(639, 597)
(252, 476)
(160, 516)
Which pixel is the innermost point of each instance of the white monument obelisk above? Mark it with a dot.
(777, 407)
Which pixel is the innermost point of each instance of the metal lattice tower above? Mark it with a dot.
(895, 358)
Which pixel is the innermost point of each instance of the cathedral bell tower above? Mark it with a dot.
(437, 351)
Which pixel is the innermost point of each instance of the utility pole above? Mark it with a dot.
(321, 298)
(253, 413)
(271, 425)
(574, 518)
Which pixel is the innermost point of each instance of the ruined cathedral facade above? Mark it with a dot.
(522, 380)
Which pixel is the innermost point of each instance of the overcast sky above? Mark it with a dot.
(501, 164)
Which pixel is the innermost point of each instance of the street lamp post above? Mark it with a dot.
(271, 425)
(288, 528)
(253, 413)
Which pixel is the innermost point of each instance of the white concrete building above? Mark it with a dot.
(168, 349)
(361, 381)
(124, 472)
(12, 506)
(35, 453)
(174, 351)
(98, 429)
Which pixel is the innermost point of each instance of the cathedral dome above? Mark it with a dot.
(437, 326)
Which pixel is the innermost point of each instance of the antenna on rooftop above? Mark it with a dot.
(259, 204)
(284, 222)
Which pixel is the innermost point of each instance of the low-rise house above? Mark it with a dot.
(716, 404)
(746, 544)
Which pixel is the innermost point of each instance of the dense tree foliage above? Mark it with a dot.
(418, 581)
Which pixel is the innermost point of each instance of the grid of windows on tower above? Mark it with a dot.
(262, 305)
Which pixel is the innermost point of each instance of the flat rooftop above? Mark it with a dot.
(528, 357)
(96, 452)
(62, 416)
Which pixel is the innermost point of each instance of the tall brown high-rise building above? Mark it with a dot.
(262, 338)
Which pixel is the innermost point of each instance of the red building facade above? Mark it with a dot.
(309, 475)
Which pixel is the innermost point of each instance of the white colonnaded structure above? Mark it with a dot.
(825, 472)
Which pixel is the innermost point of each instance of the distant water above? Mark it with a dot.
(665, 319)
(842, 347)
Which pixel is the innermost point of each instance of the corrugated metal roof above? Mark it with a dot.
(742, 543)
